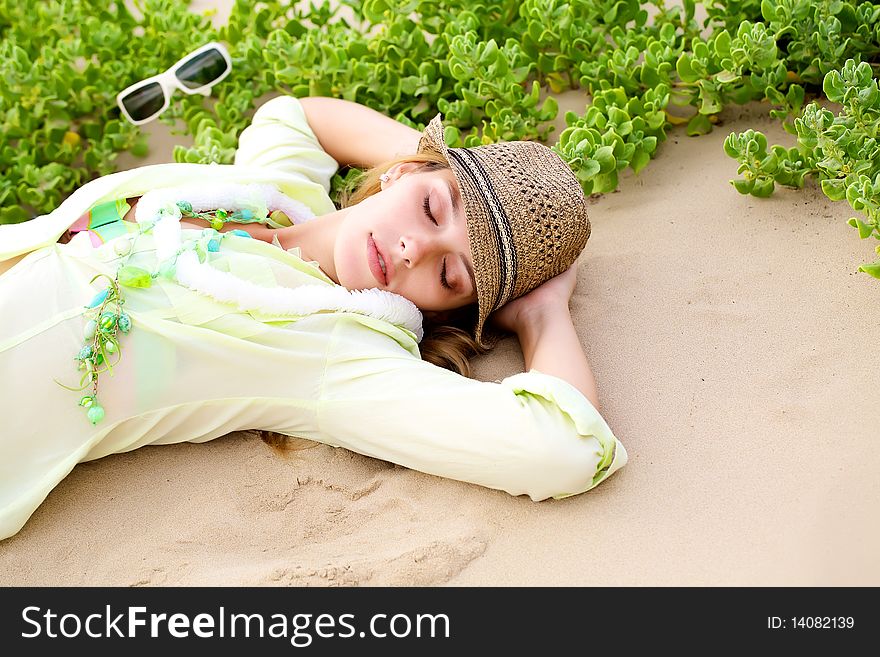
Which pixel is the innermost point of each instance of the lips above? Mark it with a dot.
(373, 260)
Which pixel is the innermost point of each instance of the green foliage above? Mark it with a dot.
(483, 63)
(841, 150)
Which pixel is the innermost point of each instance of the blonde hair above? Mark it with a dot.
(448, 341)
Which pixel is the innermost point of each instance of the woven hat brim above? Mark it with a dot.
(433, 141)
(525, 210)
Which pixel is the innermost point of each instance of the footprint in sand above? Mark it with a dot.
(330, 517)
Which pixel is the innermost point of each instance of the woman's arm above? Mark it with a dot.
(542, 322)
(550, 345)
(353, 134)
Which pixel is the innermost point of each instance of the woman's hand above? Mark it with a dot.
(551, 295)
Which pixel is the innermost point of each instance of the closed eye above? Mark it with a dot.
(430, 216)
(426, 204)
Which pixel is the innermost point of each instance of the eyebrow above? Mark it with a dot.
(456, 206)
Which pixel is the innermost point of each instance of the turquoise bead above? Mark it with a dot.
(85, 352)
(124, 323)
(96, 412)
(246, 214)
(98, 299)
(240, 233)
(185, 206)
(213, 245)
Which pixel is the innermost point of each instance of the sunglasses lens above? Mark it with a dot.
(144, 102)
(204, 68)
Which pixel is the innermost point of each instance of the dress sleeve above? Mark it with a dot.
(280, 137)
(530, 433)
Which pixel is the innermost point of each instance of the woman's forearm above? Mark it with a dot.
(354, 134)
(550, 345)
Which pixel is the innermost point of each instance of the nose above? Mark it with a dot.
(415, 248)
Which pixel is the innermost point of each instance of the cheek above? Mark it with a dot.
(349, 257)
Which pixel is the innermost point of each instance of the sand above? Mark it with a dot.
(735, 347)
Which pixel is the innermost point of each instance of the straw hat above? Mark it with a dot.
(526, 215)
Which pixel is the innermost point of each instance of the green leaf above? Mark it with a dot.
(873, 269)
(605, 157)
(722, 44)
(639, 160)
(699, 125)
(684, 68)
(726, 77)
(763, 187)
(834, 188)
(743, 186)
(865, 230)
(589, 169)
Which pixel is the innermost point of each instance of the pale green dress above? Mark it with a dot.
(194, 368)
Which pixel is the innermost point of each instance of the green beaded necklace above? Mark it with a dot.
(105, 313)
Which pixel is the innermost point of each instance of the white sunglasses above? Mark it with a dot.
(195, 73)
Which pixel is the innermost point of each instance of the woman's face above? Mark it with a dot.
(419, 254)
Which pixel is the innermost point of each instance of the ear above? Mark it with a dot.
(402, 169)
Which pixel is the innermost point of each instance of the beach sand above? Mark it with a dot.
(736, 351)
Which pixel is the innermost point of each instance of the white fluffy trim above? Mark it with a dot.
(303, 300)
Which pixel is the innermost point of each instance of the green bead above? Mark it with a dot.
(124, 323)
(107, 321)
(221, 214)
(280, 218)
(96, 413)
(217, 224)
(110, 347)
(99, 359)
(89, 330)
(131, 276)
(87, 401)
(185, 206)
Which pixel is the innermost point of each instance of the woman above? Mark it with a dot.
(313, 329)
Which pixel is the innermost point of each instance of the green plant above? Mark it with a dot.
(841, 150)
(483, 63)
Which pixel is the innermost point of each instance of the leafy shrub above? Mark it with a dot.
(482, 63)
(842, 151)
